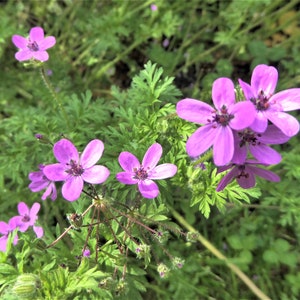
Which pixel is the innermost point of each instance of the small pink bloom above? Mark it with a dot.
(143, 174)
(74, 170)
(28, 217)
(5, 230)
(39, 182)
(270, 105)
(153, 7)
(33, 47)
(219, 122)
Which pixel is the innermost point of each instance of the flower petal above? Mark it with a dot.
(40, 55)
(34, 210)
(36, 176)
(47, 43)
(266, 174)
(56, 172)
(152, 156)
(285, 122)
(148, 189)
(163, 171)
(24, 55)
(264, 78)
(265, 154)
(36, 34)
(223, 146)
(246, 182)
(39, 231)
(95, 175)
(3, 243)
(23, 209)
(128, 161)
(260, 122)
(72, 188)
(244, 114)
(273, 135)
(240, 153)
(201, 140)
(247, 90)
(65, 151)
(126, 178)
(19, 41)
(18, 222)
(37, 186)
(223, 92)
(227, 179)
(91, 154)
(4, 227)
(288, 99)
(194, 110)
(51, 190)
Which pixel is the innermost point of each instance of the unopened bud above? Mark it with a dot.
(163, 270)
(192, 236)
(26, 286)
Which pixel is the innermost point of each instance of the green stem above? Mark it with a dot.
(251, 285)
(55, 97)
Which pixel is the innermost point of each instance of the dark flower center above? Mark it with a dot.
(223, 117)
(33, 46)
(140, 173)
(248, 136)
(26, 218)
(242, 172)
(75, 168)
(261, 102)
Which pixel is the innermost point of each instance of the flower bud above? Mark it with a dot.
(178, 262)
(163, 270)
(26, 286)
(192, 236)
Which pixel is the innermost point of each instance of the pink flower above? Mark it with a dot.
(270, 106)
(153, 7)
(6, 229)
(257, 144)
(34, 46)
(41, 182)
(74, 170)
(144, 174)
(245, 174)
(28, 217)
(218, 122)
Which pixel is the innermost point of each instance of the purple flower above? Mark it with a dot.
(270, 106)
(74, 169)
(28, 217)
(34, 46)
(153, 7)
(165, 43)
(41, 182)
(6, 229)
(218, 123)
(256, 143)
(144, 174)
(245, 174)
(86, 253)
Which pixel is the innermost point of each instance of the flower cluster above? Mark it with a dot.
(26, 219)
(237, 129)
(74, 169)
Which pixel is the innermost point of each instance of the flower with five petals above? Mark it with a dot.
(74, 170)
(34, 46)
(143, 174)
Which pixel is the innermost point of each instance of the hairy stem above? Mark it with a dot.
(55, 97)
(251, 285)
